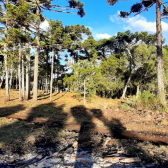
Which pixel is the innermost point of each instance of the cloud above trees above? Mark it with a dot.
(103, 36)
(138, 23)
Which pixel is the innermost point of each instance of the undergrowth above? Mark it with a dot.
(145, 101)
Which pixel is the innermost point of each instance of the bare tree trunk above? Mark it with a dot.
(2, 81)
(131, 73)
(6, 66)
(19, 74)
(84, 92)
(160, 69)
(23, 83)
(7, 73)
(57, 76)
(11, 77)
(16, 80)
(27, 96)
(137, 92)
(126, 86)
(46, 82)
(35, 88)
(52, 68)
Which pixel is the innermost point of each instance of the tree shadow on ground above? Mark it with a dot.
(130, 145)
(46, 96)
(60, 97)
(5, 111)
(41, 126)
(84, 139)
(46, 121)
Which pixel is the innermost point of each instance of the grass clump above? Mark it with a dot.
(147, 98)
(145, 101)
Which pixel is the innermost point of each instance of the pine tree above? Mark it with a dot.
(139, 8)
(56, 32)
(38, 7)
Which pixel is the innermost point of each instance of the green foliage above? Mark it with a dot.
(19, 13)
(84, 70)
(147, 98)
(112, 71)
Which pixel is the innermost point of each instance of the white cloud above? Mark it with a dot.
(138, 23)
(103, 36)
(90, 27)
(165, 27)
(44, 25)
(116, 18)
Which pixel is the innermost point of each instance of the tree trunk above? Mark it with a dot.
(137, 92)
(11, 77)
(35, 88)
(16, 80)
(131, 73)
(84, 92)
(103, 93)
(52, 68)
(23, 83)
(19, 74)
(5, 59)
(126, 86)
(7, 73)
(160, 69)
(46, 82)
(2, 81)
(27, 96)
(57, 76)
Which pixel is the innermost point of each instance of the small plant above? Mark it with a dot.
(77, 96)
(147, 98)
(124, 106)
(164, 122)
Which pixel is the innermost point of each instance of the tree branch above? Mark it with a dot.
(165, 17)
(144, 9)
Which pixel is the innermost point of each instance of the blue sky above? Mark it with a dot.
(103, 19)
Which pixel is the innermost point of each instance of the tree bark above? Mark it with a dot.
(27, 96)
(11, 77)
(5, 59)
(16, 80)
(2, 81)
(126, 86)
(137, 92)
(19, 74)
(52, 68)
(160, 70)
(35, 88)
(23, 83)
(84, 92)
(7, 74)
(131, 73)
(46, 82)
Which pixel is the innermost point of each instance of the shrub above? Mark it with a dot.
(147, 98)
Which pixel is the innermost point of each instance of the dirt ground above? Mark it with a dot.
(22, 122)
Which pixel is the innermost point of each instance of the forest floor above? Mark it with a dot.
(21, 123)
